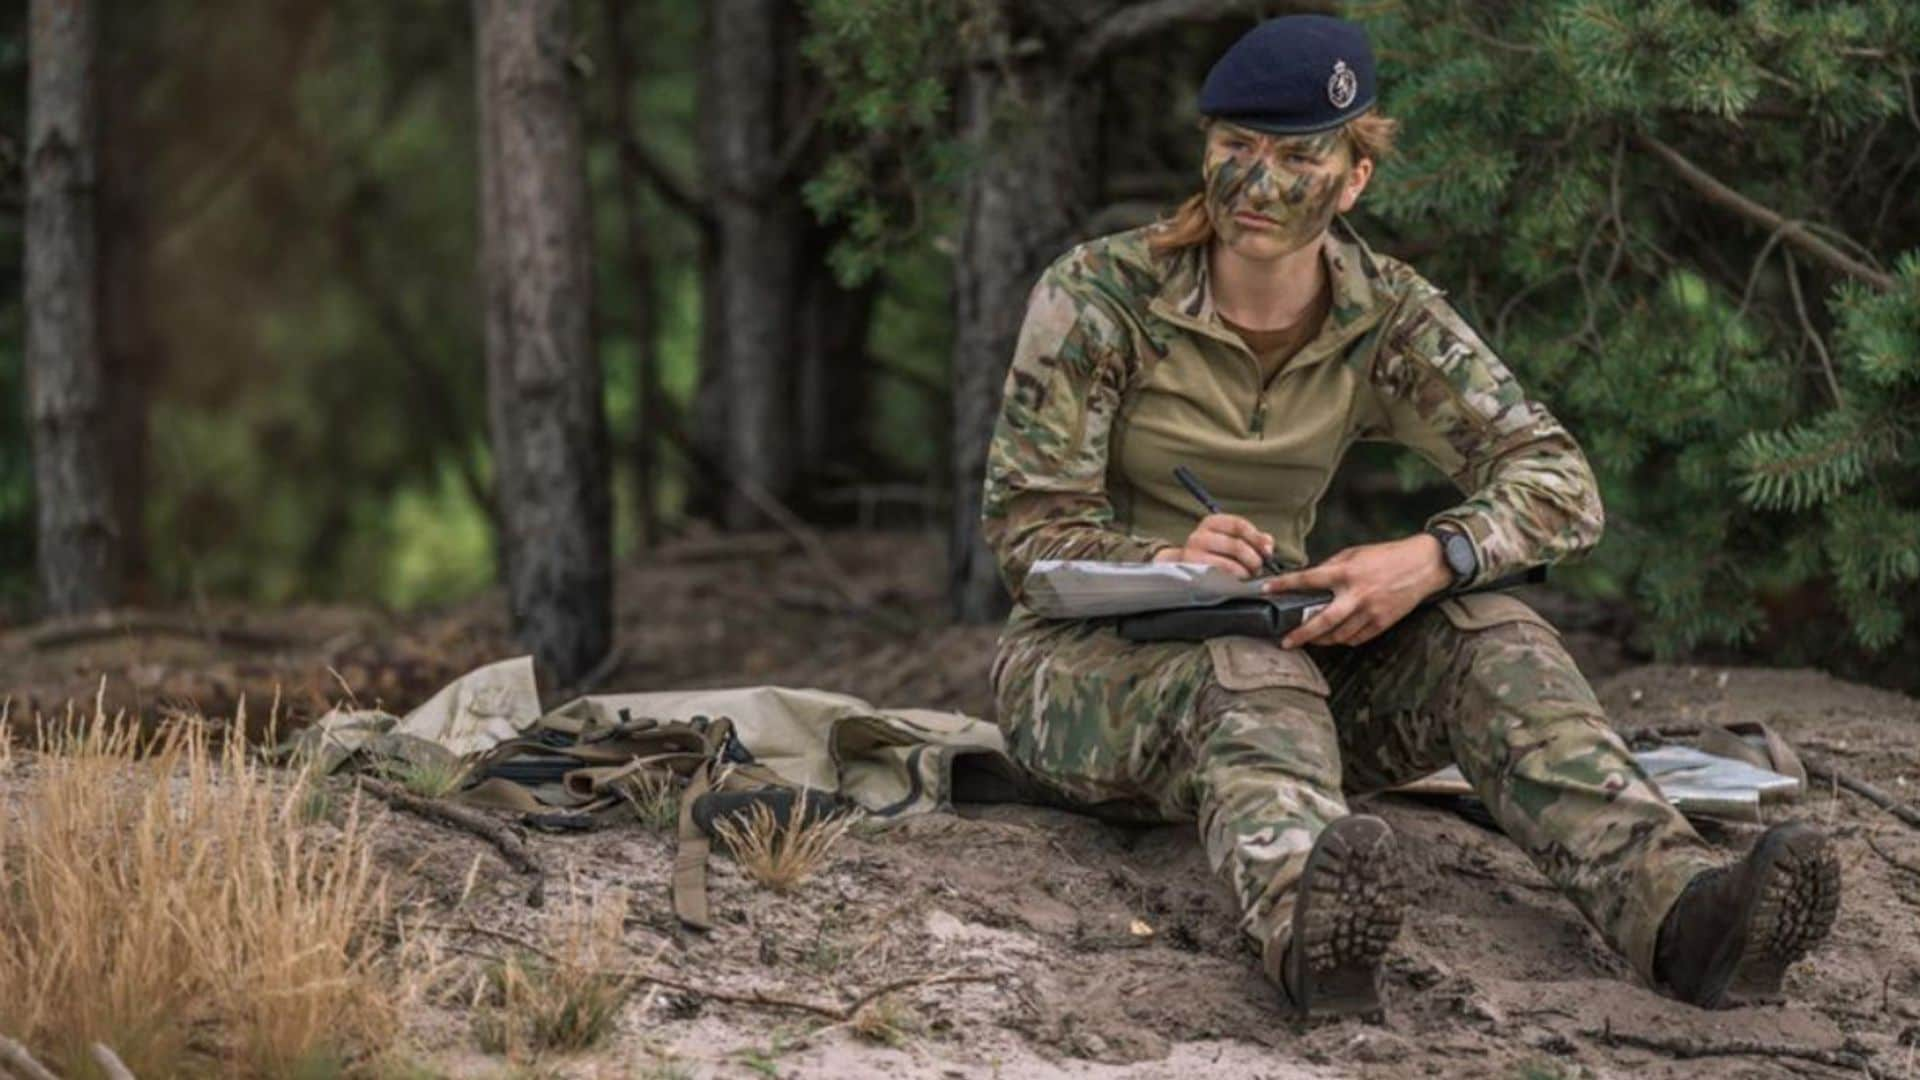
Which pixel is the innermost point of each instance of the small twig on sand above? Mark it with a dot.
(1687, 1048)
(754, 998)
(1898, 864)
(110, 1063)
(1867, 791)
(15, 1060)
(838, 1013)
(441, 812)
(916, 983)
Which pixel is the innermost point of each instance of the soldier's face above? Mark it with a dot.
(1271, 195)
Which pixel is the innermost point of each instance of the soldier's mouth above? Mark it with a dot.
(1258, 221)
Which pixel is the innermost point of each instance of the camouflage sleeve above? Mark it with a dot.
(1046, 490)
(1531, 496)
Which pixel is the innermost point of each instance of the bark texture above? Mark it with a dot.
(779, 404)
(545, 415)
(643, 300)
(832, 397)
(759, 220)
(79, 557)
(133, 351)
(1033, 180)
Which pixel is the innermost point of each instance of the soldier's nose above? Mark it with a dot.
(1262, 188)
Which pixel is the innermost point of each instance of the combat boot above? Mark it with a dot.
(1735, 929)
(1345, 916)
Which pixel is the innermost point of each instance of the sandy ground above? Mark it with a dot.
(1089, 949)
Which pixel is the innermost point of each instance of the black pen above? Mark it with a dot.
(1269, 563)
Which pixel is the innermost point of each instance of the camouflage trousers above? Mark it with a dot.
(1259, 744)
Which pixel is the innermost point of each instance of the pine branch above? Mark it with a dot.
(1810, 464)
(1793, 232)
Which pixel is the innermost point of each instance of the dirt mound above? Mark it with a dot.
(1080, 948)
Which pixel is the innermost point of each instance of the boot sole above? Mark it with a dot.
(1787, 906)
(1788, 915)
(1346, 916)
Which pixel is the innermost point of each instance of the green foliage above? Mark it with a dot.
(1744, 402)
(888, 109)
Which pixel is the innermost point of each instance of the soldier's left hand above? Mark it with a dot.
(1373, 586)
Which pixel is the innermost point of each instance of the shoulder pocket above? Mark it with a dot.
(1478, 611)
(1250, 663)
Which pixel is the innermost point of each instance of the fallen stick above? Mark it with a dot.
(837, 1013)
(1891, 861)
(812, 545)
(1685, 1049)
(756, 998)
(441, 812)
(79, 629)
(898, 985)
(17, 1061)
(1874, 795)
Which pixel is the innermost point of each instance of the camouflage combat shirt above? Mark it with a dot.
(1124, 369)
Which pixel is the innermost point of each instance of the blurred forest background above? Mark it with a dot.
(808, 228)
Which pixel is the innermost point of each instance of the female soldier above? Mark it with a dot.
(1253, 338)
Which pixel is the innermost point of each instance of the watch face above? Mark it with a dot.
(1460, 558)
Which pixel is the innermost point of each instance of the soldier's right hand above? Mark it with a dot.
(1227, 541)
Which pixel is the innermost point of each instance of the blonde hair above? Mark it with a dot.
(1368, 136)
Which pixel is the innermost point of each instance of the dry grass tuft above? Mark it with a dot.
(559, 1002)
(162, 896)
(432, 779)
(655, 799)
(781, 856)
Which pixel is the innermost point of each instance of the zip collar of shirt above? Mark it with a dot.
(1185, 297)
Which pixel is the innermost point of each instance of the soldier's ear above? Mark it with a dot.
(1357, 178)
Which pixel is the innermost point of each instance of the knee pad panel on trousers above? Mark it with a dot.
(1249, 663)
(1484, 611)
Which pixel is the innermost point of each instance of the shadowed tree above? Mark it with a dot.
(546, 419)
(80, 561)
(747, 116)
(1031, 117)
(782, 402)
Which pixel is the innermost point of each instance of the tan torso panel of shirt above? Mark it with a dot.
(1262, 434)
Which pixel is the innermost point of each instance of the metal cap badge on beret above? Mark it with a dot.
(1294, 75)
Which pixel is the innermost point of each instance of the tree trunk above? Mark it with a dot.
(545, 415)
(834, 381)
(747, 114)
(643, 299)
(79, 537)
(1032, 181)
(706, 446)
(133, 353)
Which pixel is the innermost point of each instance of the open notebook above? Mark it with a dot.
(1077, 589)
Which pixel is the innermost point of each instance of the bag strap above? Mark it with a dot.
(689, 885)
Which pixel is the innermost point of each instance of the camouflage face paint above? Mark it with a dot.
(1282, 189)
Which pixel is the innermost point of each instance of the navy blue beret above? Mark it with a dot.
(1294, 75)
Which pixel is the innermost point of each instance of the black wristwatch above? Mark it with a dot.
(1456, 548)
